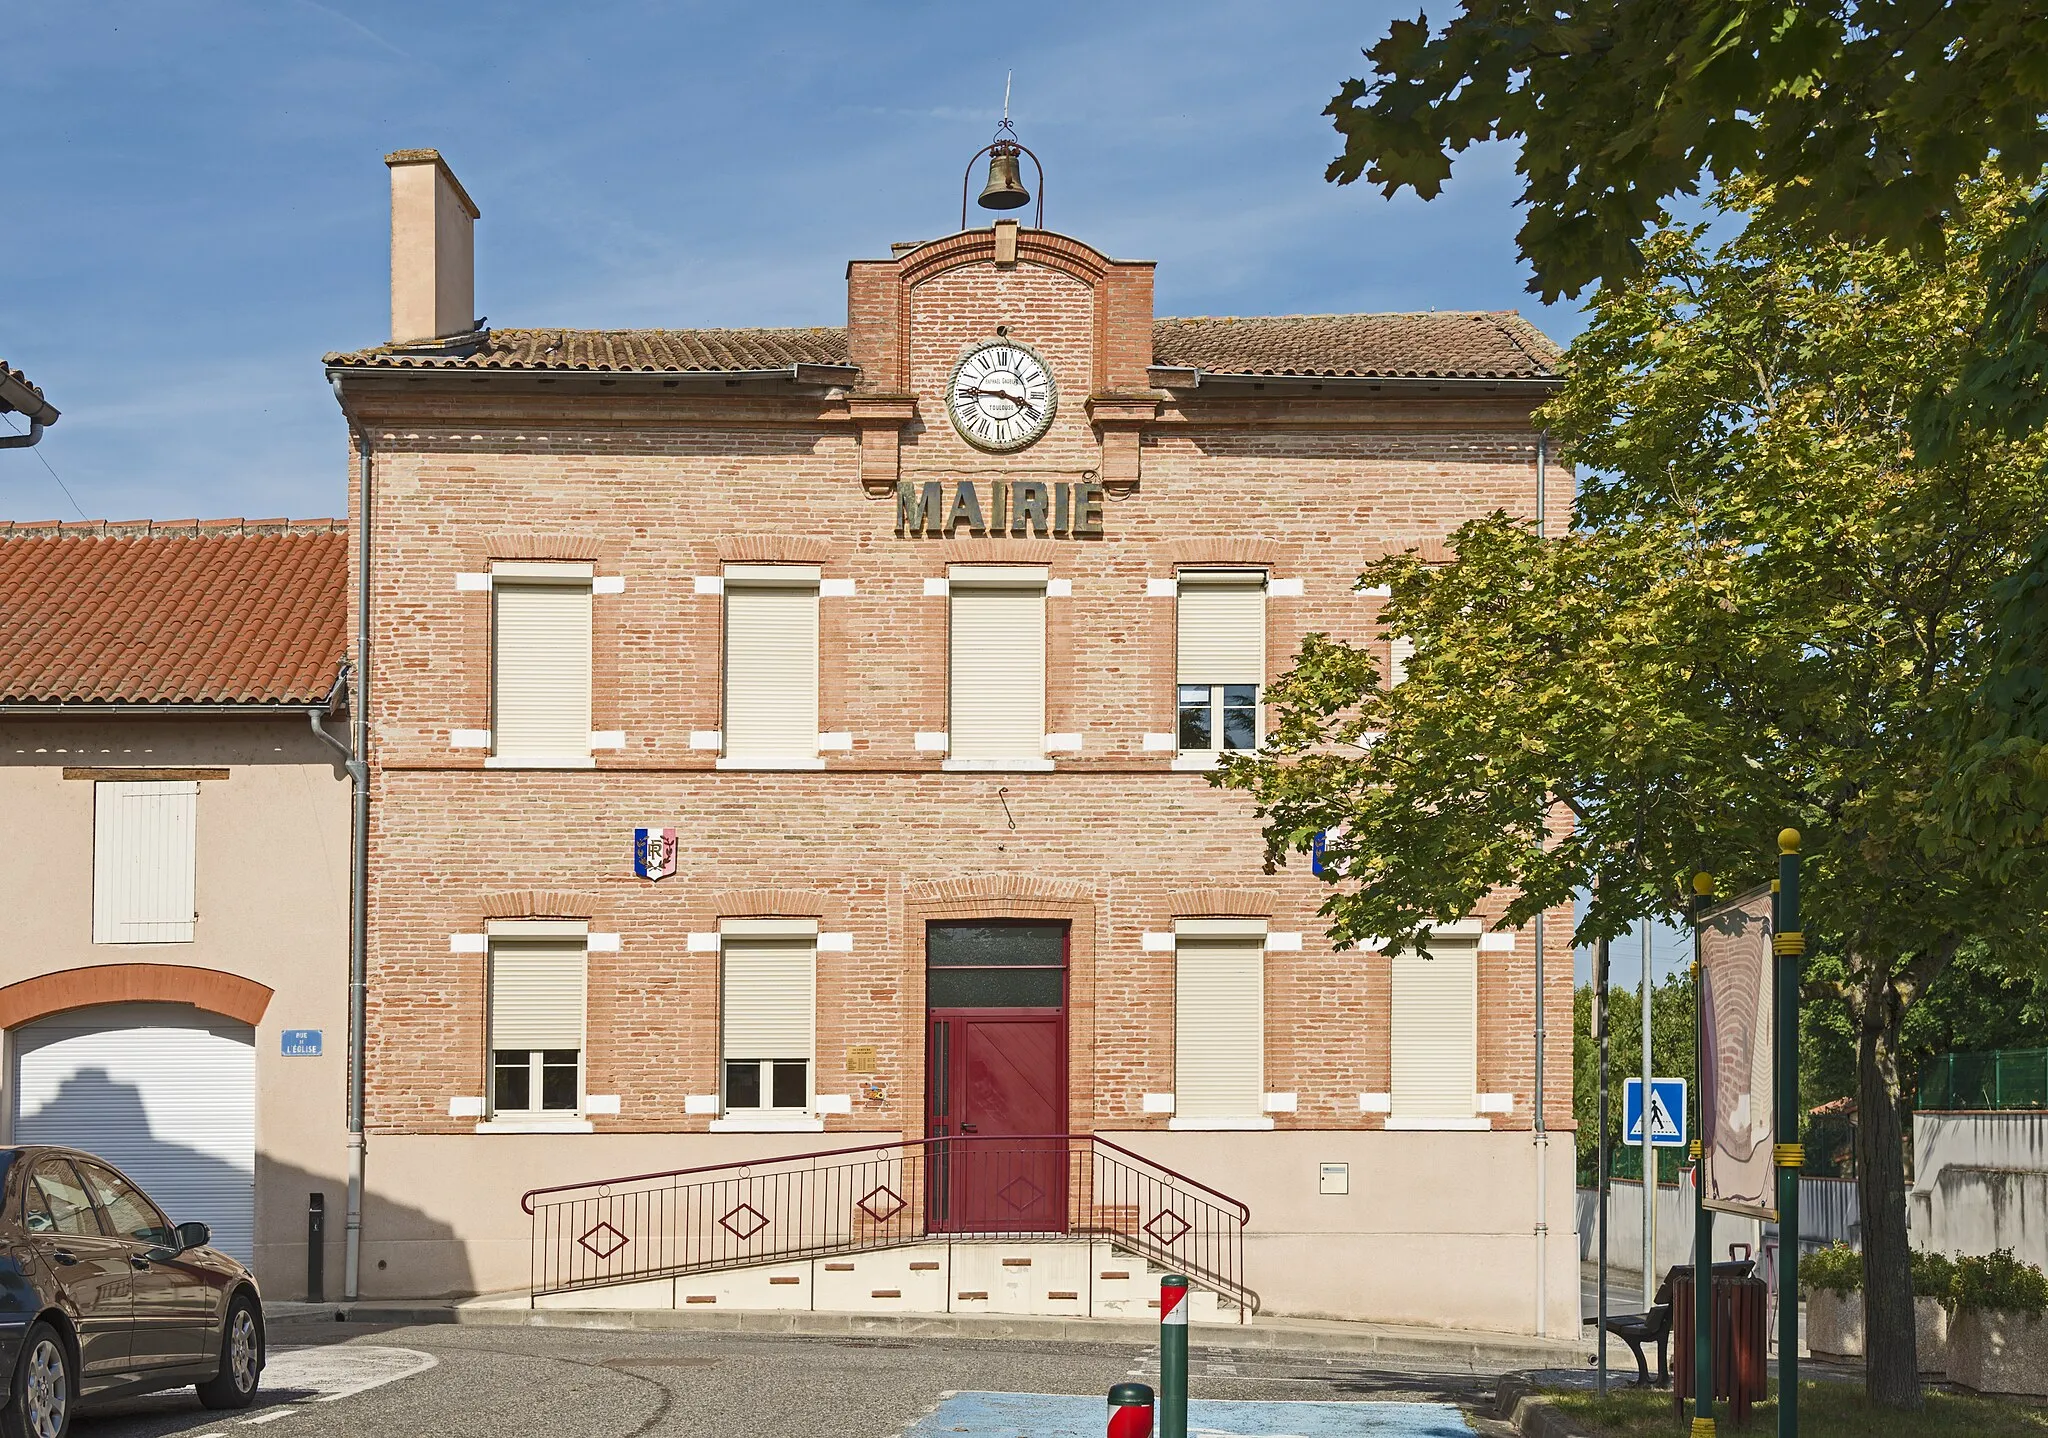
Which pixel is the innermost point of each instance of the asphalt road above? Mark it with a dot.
(448, 1381)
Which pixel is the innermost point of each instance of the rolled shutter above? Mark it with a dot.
(770, 996)
(541, 671)
(1219, 1026)
(771, 670)
(1222, 625)
(537, 993)
(1436, 1031)
(144, 861)
(1400, 649)
(998, 668)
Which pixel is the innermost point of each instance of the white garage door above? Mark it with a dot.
(164, 1092)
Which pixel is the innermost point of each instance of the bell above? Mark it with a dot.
(1005, 188)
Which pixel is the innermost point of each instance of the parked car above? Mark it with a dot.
(102, 1296)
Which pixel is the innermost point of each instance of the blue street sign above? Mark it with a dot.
(1667, 1113)
(301, 1044)
(1315, 852)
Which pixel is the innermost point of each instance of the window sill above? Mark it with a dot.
(769, 761)
(997, 766)
(1195, 761)
(523, 761)
(767, 1123)
(1443, 1125)
(1218, 1125)
(535, 1125)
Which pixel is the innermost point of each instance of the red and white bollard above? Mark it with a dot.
(1130, 1411)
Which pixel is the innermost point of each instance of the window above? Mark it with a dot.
(771, 665)
(144, 862)
(998, 667)
(127, 1212)
(56, 1202)
(1221, 663)
(536, 1022)
(1400, 650)
(1436, 1035)
(540, 663)
(1219, 1022)
(768, 1019)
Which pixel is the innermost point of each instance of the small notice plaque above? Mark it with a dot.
(301, 1044)
(860, 1059)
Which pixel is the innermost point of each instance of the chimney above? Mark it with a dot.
(433, 263)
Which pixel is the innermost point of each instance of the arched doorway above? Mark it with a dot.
(165, 1092)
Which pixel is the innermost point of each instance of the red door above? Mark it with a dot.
(997, 1101)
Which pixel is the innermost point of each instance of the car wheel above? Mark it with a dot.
(43, 1390)
(241, 1358)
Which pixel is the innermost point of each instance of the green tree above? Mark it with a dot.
(1671, 1043)
(1859, 117)
(1766, 607)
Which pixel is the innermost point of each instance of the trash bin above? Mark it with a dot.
(1741, 1337)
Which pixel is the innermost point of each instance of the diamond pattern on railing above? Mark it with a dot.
(881, 1203)
(1020, 1193)
(1167, 1220)
(744, 1222)
(603, 1240)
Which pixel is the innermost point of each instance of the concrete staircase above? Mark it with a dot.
(1053, 1277)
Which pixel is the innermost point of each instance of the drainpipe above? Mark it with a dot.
(359, 875)
(1542, 1130)
(23, 441)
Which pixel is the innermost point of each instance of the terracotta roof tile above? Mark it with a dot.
(1445, 344)
(19, 392)
(663, 351)
(1438, 344)
(192, 612)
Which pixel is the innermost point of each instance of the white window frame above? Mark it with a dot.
(569, 575)
(766, 1118)
(533, 1119)
(120, 861)
(1000, 576)
(1243, 932)
(741, 577)
(1466, 935)
(1206, 757)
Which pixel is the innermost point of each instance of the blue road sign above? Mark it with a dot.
(1667, 1113)
(301, 1044)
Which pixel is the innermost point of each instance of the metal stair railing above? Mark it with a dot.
(884, 1195)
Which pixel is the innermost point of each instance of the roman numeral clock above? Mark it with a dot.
(1002, 396)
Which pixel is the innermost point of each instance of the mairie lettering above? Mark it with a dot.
(1020, 508)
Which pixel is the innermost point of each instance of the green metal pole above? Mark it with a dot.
(1703, 1217)
(1789, 945)
(1173, 1356)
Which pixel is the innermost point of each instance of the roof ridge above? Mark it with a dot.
(1331, 315)
(233, 528)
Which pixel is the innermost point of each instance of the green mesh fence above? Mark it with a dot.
(2003, 1078)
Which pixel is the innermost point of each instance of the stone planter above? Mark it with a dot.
(1834, 1328)
(1834, 1323)
(1999, 1351)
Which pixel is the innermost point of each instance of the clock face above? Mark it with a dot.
(1002, 396)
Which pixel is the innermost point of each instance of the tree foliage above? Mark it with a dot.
(1771, 610)
(1859, 117)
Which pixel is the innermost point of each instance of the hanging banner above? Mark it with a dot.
(654, 853)
(1738, 1089)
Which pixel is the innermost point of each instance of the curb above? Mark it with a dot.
(1445, 1352)
(1533, 1416)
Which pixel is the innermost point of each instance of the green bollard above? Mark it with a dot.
(1173, 1356)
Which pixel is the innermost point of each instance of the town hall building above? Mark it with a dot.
(789, 761)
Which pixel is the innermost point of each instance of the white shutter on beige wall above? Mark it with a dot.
(771, 670)
(1436, 1031)
(1400, 649)
(537, 990)
(1219, 1026)
(998, 672)
(1222, 627)
(770, 996)
(145, 861)
(541, 671)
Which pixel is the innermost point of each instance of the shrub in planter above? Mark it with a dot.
(1934, 1275)
(1998, 1338)
(1833, 1280)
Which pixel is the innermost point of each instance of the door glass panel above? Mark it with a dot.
(63, 1197)
(131, 1215)
(994, 988)
(952, 945)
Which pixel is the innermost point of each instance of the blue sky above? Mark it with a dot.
(197, 207)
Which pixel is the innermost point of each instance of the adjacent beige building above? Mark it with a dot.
(174, 957)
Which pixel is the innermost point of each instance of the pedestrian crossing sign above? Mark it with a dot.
(1667, 1113)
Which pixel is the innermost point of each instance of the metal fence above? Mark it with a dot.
(2002, 1078)
(885, 1195)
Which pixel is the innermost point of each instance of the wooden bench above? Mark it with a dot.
(1636, 1329)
